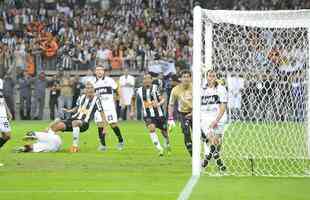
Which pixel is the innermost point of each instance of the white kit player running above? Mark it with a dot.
(46, 141)
(5, 116)
(105, 87)
(213, 118)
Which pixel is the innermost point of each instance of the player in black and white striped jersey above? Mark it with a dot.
(154, 116)
(87, 105)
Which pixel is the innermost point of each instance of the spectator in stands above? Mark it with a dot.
(83, 58)
(66, 95)
(77, 89)
(235, 85)
(30, 64)
(40, 84)
(20, 56)
(9, 93)
(90, 77)
(25, 96)
(139, 83)
(298, 96)
(126, 84)
(54, 97)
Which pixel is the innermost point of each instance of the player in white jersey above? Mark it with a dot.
(105, 87)
(45, 142)
(213, 118)
(5, 116)
(86, 106)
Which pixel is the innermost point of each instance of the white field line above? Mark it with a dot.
(187, 190)
(87, 191)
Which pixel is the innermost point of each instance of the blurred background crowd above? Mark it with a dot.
(48, 48)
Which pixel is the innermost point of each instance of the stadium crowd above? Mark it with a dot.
(65, 36)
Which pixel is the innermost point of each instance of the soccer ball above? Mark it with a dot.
(74, 149)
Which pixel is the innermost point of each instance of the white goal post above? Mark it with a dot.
(276, 22)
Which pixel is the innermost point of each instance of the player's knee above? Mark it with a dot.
(216, 141)
(113, 125)
(101, 124)
(7, 137)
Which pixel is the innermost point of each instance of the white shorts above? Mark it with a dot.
(4, 125)
(217, 131)
(110, 115)
(47, 142)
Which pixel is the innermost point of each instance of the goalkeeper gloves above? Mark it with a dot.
(171, 125)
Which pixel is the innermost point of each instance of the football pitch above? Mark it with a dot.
(136, 173)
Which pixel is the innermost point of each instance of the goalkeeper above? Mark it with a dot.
(213, 118)
(182, 94)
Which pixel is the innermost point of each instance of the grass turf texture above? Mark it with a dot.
(135, 173)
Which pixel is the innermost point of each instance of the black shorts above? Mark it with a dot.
(160, 122)
(68, 124)
(186, 123)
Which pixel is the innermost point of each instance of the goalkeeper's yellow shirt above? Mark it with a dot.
(184, 97)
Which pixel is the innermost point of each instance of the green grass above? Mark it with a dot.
(251, 188)
(135, 173)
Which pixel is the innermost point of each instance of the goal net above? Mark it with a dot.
(262, 58)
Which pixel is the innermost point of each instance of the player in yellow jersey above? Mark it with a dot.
(182, 95)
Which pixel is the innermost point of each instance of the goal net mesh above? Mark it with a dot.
(262, 59)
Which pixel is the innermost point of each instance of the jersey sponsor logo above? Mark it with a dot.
(104, 90)
(208, 100)
(149, 104)
(83, 110)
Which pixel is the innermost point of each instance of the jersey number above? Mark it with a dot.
(6, 124)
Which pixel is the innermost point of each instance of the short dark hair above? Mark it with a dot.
(185, 71)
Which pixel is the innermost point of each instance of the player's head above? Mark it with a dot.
(99, 71)
(89, 89)
(147, 80)
(211, 78)
(186, 77)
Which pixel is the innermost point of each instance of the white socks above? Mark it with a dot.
(166, 142)
(76, 136)
(155, 140)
